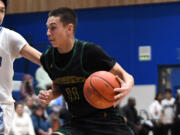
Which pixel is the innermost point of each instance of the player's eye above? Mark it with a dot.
(53, 28)
(2, 10)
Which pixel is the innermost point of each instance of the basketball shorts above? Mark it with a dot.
(99, 124)
(6, 117)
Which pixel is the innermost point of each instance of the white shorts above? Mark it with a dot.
(6, 118)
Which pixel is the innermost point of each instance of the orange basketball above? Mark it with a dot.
(99, 89)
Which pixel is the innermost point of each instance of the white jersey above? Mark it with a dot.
(155, 110)
(168, 108)
(10, 45)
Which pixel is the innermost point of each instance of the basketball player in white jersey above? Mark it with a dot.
(12, 46)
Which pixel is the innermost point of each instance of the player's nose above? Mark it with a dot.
(48, 33)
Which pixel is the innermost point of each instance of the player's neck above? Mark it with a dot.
(67, 47)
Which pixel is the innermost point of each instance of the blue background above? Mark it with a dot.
(119, 30)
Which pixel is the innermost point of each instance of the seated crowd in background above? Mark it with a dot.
(133, 119)
(27, 87)
(163, 116)
(32, 118)
(22, 123)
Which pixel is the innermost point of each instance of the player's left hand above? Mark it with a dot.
(121, 92)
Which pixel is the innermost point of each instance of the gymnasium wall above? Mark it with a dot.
(27, 6)
(119, 30)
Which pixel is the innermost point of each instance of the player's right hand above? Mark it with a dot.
(44, 97)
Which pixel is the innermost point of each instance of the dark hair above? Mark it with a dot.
(168, 90)
(66, 16)
(157, 94)
(18, 103)
(38, 106)
(5, 3)
(131, 99)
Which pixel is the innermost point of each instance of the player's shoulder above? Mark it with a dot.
(48, 52)
(46, 55)
(10, 33)
(90, 45)
(6, 30)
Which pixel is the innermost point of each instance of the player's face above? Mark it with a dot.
(2, 11)
(56, 32)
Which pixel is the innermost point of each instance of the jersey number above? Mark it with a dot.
(0, 60)
(72, 94)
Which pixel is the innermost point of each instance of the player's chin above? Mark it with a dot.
(54, 45)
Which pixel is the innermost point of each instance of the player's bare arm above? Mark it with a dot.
(55, 90)
(31, 54)
(126, 81)
(46, 96)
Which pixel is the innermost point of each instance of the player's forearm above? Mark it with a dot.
(31, 54)
(126, 77)
(56, 92)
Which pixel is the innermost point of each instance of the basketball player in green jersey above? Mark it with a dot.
(69, 62)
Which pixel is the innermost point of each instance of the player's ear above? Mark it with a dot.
(70, 28)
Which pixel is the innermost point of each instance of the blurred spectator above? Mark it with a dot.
(133, 119)
(177, 114)
(22, 123)
(41, 125)
(58, 102)
(27, 88)
(42, 78)
(168, 112)
(65, 115)
(54, 118)
(155, 111)
(29, 104)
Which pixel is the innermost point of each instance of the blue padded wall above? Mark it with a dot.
(120, 31)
